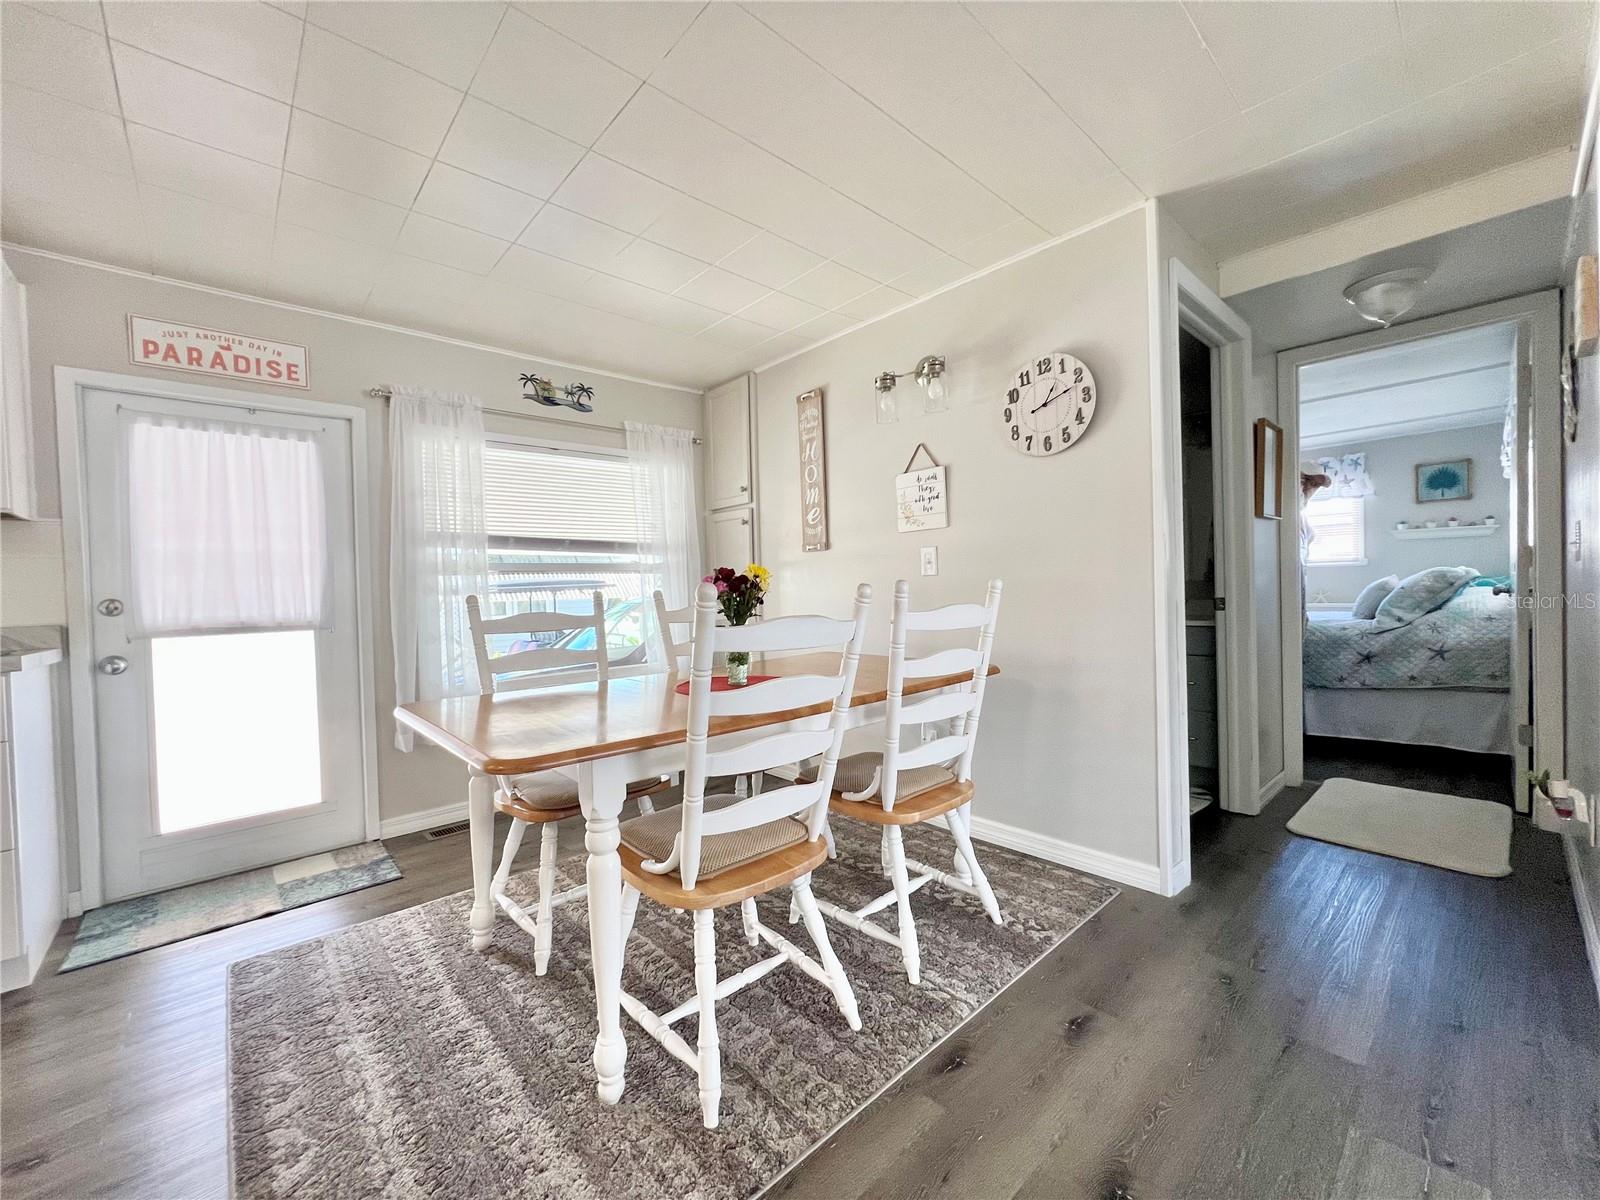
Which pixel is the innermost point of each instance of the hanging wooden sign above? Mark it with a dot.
(154, 343)
(813, 472)
(919, 495)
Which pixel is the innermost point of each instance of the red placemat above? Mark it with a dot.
(719, 683)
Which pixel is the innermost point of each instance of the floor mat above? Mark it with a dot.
(1453, 832)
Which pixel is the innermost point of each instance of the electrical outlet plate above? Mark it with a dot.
(930, 560)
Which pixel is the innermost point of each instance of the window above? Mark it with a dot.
(1341, 530)
(561, 526)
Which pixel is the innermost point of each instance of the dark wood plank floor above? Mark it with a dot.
(1305, 1021)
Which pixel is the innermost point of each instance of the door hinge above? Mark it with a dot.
(1524, 735)
(1219, 603)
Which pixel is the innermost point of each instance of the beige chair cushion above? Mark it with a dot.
(854, 774)
(651, 837)
(548, 790)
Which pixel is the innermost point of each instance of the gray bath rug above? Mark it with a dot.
(1453, 832)
(129, 926)
(389, 1059)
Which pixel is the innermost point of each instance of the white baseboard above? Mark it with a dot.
(74, 904)
(1069, 854)
(1269, 789)
(430, 818)
(1588, 915)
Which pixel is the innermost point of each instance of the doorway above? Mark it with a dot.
(226, 689)
(1466, 406)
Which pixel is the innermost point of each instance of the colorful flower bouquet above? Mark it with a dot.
(740, 596)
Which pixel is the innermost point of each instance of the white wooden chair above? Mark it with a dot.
(674, 652)
(931, 781)
(712, 852)
(542, 799)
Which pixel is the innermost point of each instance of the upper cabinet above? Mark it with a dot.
(729, 479)
(17, 496)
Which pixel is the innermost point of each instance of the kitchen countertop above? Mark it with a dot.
(29, 647)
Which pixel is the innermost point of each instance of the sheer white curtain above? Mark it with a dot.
(438, 547)
(227, 526)
(663, 464)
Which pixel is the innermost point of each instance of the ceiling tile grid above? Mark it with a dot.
(684, 190)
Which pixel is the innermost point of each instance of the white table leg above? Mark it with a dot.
(480, 818)
(601, 788)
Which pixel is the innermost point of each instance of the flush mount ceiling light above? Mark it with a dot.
(930, 376)
(1384, 299)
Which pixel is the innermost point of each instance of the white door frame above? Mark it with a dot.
(1538, 318)
(1186, 301)
(70, 384)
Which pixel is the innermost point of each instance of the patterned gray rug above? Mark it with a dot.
(388, 1059)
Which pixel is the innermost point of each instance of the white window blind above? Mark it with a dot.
(1339, 525)
(535, 494)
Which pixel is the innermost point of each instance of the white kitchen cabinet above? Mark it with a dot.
(730, 480)
(733, 539)
(32, 899)
(18, 497)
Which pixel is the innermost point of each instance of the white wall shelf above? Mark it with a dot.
(1445, 531)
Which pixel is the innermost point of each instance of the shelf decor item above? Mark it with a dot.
(575, 396)
(740, 595)
(1450, 480)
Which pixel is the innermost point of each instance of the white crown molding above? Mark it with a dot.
(1136, 206)
(523, 355)
(1470, 419)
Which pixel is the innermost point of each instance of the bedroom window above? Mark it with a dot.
(1340, 526)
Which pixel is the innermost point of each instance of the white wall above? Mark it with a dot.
(1067, 751)
(1390, 463)
(77, 317)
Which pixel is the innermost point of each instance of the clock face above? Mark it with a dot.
(1048, 404)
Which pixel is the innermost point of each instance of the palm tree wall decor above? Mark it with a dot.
(1444, 480)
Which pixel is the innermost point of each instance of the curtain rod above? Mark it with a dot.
(384, 394)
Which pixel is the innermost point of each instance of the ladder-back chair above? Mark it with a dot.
(930, 781)
(547, 797)
(674, 652)
(713, 852)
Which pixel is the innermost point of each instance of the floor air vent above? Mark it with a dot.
(445, 831)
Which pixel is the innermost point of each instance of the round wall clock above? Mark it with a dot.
(1048, 404)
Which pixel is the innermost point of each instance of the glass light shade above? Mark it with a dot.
(936, 399)
(888, 409)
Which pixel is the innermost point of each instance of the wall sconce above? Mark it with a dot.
(930, 376)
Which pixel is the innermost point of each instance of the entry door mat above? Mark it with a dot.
(129, 926)
(388, 1059)
(1453, 832)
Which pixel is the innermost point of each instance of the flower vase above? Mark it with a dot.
(738, 668)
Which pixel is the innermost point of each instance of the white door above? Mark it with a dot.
(220, 751)
(733, 542)
(728, 431)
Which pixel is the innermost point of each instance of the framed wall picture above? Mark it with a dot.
(1269, 470)
(1450, 480)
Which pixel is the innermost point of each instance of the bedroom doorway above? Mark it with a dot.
(1430, 636)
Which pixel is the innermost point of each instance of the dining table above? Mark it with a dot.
(602, 735)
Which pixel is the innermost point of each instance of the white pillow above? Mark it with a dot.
(1374, 594)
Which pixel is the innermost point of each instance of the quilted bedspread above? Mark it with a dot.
(1465, 644)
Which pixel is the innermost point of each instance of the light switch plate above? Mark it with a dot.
(930, 560)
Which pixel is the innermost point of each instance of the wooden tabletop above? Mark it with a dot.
(513, 733)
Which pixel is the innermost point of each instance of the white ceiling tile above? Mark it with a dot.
(875, 303)
(574, 237)
(937, 272)
(635, 36)
(769, 259)
(343, 214)
(1448, 41)
(321, 290)
(778, 310)
(454, 195)
(655, 266)
(113, 235)
(543, 273)
(295, 8)
(332, 153)
(949, 220)
(422, 295)
(736, 331)
(170, 162)
(538, 74)
(1137, 76)
(722, 290)
(84, 13)
(441, 242)
(1002, 243)
(445, 41)
(497, 145)
(352, 85)
(885, 252)
(696, 228)
(252, 45)
(1265, 49)
(75, 187)
(640, 303)
(307, 253)
(195, 106)
(45, 124)
(953, 86)
(1071, 208)
(830, 285)
(57, 57)
(825, 326)
(208, 243)
(613, 193)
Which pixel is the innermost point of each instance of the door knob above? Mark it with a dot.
(111, 607)
(112, 664)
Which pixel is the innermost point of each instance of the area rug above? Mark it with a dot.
(389, 1059)
(129, 926)
(1453, 832)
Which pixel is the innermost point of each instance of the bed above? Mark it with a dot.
(1444, 679)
